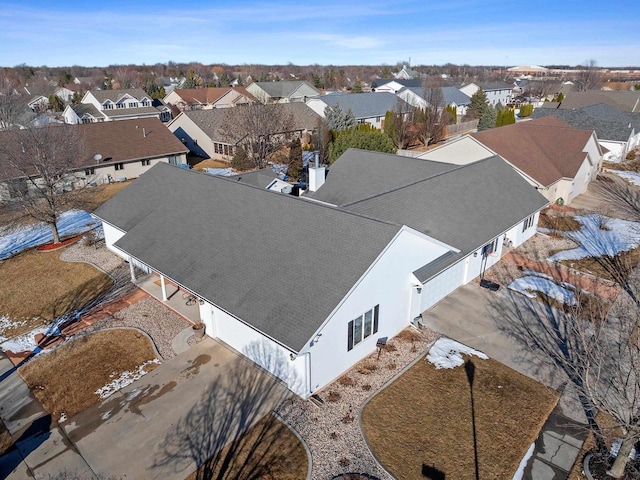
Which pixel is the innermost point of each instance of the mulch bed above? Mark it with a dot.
(48, 247)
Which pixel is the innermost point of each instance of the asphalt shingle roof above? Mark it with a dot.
(625, 101)
(206, 96)
(608, 122)
(450, 94)
(360, 174)
(488, 86)
(368, 104)
(547, 149)
(255, 257)
(115, 95)
(284, 88)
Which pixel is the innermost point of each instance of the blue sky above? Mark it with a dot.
(496, 32)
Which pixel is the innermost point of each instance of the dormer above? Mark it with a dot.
(108, 105)
(145, 102)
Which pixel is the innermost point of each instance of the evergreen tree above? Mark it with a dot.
(453, 112)
(295, 159)
(357, 86)
(390, 124)
(365, 137)
(478, 104)
(339, 119)
(500, 118)
(488, 118)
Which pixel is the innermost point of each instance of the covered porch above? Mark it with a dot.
(177, 299)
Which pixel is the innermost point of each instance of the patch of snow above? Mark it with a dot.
(528, 285)
(523, 462)
(6, 323)
(27, 341)
(63, 417)
(105, 415)
(447, 353)
(620, 236)
(631, 177)
(71, 222)
(537, 274)
(125, 378)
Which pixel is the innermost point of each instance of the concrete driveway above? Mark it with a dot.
(175, 416)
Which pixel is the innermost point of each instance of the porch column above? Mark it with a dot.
(164, 288)
(132, 270)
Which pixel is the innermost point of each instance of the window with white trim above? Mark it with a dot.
(118, 166)
(362, 327)
(528, 223)
(89, 171)
(146, 163)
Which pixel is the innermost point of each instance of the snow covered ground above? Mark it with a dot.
(124, 379)
(529, 284)
(620, 236)
(631, 177)
(71, 222)
(447, 353)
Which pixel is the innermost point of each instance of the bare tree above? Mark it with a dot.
(38, 166)
(430, 119)
(398, 124)
(588, 77)
(260, 129)
(13, 109)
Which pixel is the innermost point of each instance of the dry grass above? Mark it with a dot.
(424, 417)
(5, 438)
(65, 380)
(38, 287)
(91, 198)
(209, 163)
(630, 165)
(564, 223)
(591, 266)
(283, 459)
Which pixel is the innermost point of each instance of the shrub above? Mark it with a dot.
(366, 387)
(346, 381)
(333, 396)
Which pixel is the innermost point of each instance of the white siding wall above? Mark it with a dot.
(196, 140)
(112, 235)
(255, 346)
(442, 285)
(388, 283)
(581, 180)
(617, 150)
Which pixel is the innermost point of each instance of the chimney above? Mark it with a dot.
(316, 174)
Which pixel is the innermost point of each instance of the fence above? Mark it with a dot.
(458, 128)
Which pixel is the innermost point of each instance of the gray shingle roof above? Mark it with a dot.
(115, 95)
(608, 122)
(487, 86)
(625, 101)
(127, 112)
(451, 95)
(368, 104)
(465, 207)
(284, 88)
(360, 174)
(254, 258)
(86, 108)
(260, 178)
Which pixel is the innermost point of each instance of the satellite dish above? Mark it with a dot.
(97, 157)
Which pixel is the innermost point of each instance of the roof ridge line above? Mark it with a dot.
(454, 169)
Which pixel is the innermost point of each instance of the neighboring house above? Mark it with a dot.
(206, 98)
(497, 92)
(623, 101)
(618, 132)
(404, 233)
(124, 104)
(37, 103)
(450, 96)
(406, 73)
(557, 159)
(367, 107)
(112, 151)
(206, 134)
(285, 91)
(394, 86)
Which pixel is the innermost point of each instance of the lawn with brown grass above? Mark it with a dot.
(271, 449)
(65, 380)
(563, 223)
(209, 163)
(592, 266)
(424, 417)
(5, 438)
(91, 198)
(38, 287)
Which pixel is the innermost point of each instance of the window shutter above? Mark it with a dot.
(350, 336)
(375, 318)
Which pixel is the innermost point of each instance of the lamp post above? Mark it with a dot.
(470, 370)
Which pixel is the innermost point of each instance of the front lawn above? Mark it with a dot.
(38, 287)
(67, 379)
(268, 450)
(5, 438)
(424, 419)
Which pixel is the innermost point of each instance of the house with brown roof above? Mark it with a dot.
(108, 152)
(208, 98)
(625, 101)
(207, 133)
(558, 160)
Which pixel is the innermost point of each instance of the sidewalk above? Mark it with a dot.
(40, 447)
